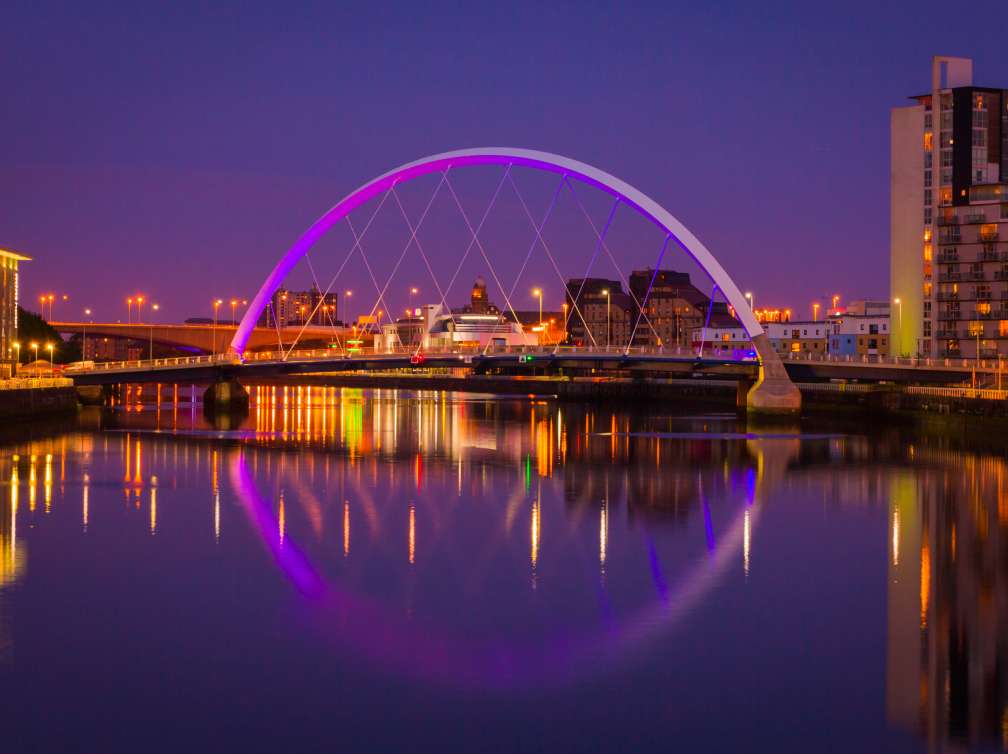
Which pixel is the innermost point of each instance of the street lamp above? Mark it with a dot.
(346, 311)
(87, 313)
(608, 318)
(139, 300)
(752, 301)
(49, 348)
(815, 312)
(565, 321)
(899, 305)
(17, 352)
(129, 310)
(537, 292)
(234, 306)
(836, 298)
(34, 347)
(51, 299)
(216, 306)
(150, 352)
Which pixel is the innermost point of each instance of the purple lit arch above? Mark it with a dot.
(506, 156)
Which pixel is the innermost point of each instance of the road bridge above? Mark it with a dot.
(202, 338)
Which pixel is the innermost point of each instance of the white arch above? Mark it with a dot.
(504, 156)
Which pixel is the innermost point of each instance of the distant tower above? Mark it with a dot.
(478, 303)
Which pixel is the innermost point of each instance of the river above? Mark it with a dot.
(354, 570)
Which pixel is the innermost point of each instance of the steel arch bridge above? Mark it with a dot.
(773, 392)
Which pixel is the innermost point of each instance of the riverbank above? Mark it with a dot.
(43, 396)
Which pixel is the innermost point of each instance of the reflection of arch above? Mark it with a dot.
(373, 632)
(773, 370)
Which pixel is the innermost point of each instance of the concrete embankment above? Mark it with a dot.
(25, 402)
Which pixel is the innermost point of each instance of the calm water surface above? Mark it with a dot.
(350, 571)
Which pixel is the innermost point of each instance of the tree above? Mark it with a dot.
(33, 329)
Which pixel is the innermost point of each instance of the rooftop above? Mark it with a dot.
(9, 254)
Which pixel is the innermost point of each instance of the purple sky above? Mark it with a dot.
(178, 152)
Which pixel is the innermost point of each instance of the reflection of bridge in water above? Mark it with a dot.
(947, 511)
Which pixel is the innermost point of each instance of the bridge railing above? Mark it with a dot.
(989, 363)
(466, 352)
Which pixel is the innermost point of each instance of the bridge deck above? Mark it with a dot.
(524, 360)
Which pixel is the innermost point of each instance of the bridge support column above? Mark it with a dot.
(773, 393)
(742, 395)
(92, 395)
(226, 395)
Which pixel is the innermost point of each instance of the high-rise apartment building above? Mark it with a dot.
(8, 307)
(949, 218)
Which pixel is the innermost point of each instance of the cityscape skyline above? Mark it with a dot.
(140, 173)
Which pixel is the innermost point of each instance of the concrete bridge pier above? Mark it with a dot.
(226, 395)
(773, 394)
(742, 395)
(92, 395)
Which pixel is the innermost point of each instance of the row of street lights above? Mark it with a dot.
(48, 299)
(35, 347)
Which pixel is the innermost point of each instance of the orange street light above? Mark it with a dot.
(129, 310)
(815, 312)
(234, 306)
(537, 292)
(34, 347)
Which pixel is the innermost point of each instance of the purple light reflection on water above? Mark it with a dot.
(432, 653)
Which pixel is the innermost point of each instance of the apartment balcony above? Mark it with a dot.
(949, 316)
(988, 353)
(948, 237)
(948, 256)
(951, 220)
(974, 275)
(946, 334)
(954, 296)
(977, 217)
(951, 353)
(1001, 274)
(949, 277)
(989, 255)
(989, 237)
(982, 315)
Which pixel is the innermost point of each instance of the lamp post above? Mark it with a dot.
(537, 292)
(51, 299)
(752, 301)
(49, 348)
(34, 347)
(87, 313)
(234, 307)
(216, 307)
(608, 318)
(899, 306)
(129, 311)
(17, 352)
(346, 311)
(565, 321)
(836, 299)
(815, 312)
(150, 352)
(139, 300)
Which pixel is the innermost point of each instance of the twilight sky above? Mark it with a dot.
(177, 150)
